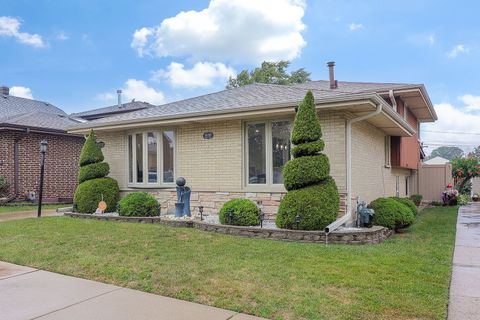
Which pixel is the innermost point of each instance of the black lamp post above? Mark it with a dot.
(298, 219)
(261, 216)
(43, 151)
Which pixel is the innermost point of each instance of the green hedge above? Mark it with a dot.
(305, 171)
(391, 214)
(139, 204)
(244, 213)
(409, 203)
(91, 151)
(306, 127)
(308, 149)
(89, 194)
(93, 171)
(317, 206)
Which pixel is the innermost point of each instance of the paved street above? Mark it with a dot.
(27, 293)
(464, 303)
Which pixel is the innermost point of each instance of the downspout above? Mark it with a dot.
(349, 215)
(16, 167)
(392, 99)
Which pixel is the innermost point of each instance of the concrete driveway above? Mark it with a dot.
(27, 293)
(28, 214)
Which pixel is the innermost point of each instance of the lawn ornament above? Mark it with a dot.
(364, 215)
(182, 207)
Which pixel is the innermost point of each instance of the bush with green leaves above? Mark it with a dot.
(4, 186)
(139, 204)
(94, 185)
(416, 198)
(312, 194)
(409, 203)
(240, 212)
(391, 213)
(463, 199)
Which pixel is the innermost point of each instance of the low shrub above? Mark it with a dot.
(317, 207)
(409, 203)
(89, 194)
(463, 199)
(305, 171)
(416, 198)
(4, 186)
(436, 203)
(93, 171)
(244, 212)
(139, 204)
(391, 214)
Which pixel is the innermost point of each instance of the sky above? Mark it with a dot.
(75, 54)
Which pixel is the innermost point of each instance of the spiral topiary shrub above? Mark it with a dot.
(243, 212)
(312, 193)
(139, 204)
(391, 214)
(409, 203)
(94, 186)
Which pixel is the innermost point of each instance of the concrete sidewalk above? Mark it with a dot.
(16, 215)
(27, 293)
(464, 300)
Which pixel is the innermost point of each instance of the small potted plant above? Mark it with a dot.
(416, 198)
(476, 197)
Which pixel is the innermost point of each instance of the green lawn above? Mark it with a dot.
(9, 209)
(406, 277)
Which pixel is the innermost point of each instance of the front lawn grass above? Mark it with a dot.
(11, 208)
(406, 277)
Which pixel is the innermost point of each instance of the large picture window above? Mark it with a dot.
(267, 149)
(151, 158)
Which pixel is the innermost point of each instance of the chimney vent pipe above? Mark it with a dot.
(4, 90)
(119, 93)
(331, 74)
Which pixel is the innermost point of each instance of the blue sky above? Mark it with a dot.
(75, 54)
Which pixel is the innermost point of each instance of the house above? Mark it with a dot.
(436, 160)
(234, 143)
(24, 123)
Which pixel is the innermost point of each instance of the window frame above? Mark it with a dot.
(268, 156)
(159, 136)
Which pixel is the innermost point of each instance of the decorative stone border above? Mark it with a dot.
(375, 234)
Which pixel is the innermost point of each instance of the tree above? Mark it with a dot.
(94, 185)
(475, 153)
(312, 200)
(269, 72)
(464, 169)
(448, 153)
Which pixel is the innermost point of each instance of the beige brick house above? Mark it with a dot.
(234, 143)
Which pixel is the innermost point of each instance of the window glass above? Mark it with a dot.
(152, 157)
(256, 154)
(168, 156)
(139, 154)
(280, 148)
(130, 158)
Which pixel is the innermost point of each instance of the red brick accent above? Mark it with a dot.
(61, 163)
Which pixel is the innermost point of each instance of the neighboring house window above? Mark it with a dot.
(407, 186)
(397, 186)
(151, 158)
(267, 151)
(388, 156)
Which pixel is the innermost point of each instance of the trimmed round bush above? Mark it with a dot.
(391, 214)
(93, 171)
(308, 149)
(89, 194)
(305, 171)
(307, 128)
(139, 204)
(409, 203)
(244, 213)
(316, 205)
(91, 152)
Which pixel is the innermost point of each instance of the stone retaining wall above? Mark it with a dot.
(375, 234)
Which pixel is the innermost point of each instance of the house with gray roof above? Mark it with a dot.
(234, 143)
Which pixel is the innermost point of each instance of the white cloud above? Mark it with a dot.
(135, 89)
(422, 39)
(240, 31)
(22, 92)
(355, 26)
(10, 27)
(62, 36)
(431, 39)
(472, 103)
(451, 119)
(202, 74)
(458, 49)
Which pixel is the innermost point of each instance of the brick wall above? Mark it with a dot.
(61, 164)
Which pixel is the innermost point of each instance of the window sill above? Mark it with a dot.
(151, 186)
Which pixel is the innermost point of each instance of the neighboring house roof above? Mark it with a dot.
(111, 110)
(16, 112)
(251, 97)
(437, 160)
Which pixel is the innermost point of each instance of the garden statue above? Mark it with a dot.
(182, 207)
(449, 196)
(364, 215)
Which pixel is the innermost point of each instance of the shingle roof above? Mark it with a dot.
(126, 107)
(24, 112)
(254, 95)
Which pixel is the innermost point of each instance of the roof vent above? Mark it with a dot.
(333, 82)
(119, 93)
(5, 90)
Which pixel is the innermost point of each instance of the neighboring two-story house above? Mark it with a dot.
(234, 143)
